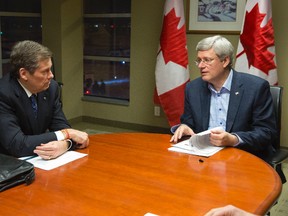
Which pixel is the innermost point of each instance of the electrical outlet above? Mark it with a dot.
(156, 110)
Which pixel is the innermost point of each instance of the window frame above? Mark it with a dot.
(95, 98)
(12, 14)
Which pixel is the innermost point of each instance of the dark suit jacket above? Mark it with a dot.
(250, 112)
(20, 132)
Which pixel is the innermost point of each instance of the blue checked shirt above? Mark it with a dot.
(219, 104)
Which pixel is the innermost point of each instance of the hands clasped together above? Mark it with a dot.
(54, 149)
(218, 137)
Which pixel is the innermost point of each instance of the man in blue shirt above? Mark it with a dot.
(240, 103)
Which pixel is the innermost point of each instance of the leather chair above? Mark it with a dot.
(281, 153)
(60, 84)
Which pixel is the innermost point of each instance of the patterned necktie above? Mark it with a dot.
(34, 104)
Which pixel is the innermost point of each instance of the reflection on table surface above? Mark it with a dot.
(134, 173)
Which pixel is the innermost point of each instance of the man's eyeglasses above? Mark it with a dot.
(206, 61)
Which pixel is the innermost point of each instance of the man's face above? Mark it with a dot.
(40, 79)
(212, 69)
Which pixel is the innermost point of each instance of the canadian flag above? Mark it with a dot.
(172, 71)
(256, 48)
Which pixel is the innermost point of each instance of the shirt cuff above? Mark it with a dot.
(59, 135)
(239, 140)
(174, 128)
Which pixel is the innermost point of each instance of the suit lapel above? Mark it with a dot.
(205, 98)
(236, 96)
(42, 106)
(26, 106)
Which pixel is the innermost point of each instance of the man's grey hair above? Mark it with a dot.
(27, 54)
(221, 46)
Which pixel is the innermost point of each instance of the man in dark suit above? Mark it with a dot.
(28, 127)
(240, 103)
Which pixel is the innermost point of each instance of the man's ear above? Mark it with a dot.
(23, 74)
(226, 61)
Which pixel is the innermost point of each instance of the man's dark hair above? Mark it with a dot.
(27, 54)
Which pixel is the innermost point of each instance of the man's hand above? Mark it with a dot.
(228, 210)
(220, 137)
(182, 130)
(80, 137)
(52, 149)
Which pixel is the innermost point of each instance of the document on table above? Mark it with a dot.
(54, 163)
(198, 144)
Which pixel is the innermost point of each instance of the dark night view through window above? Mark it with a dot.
(19, 20)
(107, 27)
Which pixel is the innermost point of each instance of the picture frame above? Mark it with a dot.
(208, 16)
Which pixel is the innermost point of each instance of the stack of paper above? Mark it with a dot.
(198, 144)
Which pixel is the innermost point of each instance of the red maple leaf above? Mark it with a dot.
(256, 41)
(173, 40)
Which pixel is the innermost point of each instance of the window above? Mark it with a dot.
(19, 20)
(107, 27)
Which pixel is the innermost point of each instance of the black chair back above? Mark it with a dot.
(276, 92)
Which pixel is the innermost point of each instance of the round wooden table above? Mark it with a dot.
(135, 174)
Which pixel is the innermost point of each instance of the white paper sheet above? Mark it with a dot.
(198, 144)
(54, 163)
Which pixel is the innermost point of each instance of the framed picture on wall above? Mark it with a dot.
(215, 16)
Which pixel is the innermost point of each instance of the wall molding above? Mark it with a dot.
(119, 124)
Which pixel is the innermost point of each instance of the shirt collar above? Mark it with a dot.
(227, 83)
(25, 89)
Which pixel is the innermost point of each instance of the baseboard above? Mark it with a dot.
(119, 124)
(75, 120)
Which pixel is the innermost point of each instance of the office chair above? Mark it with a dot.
(60, 84)
(281, 154)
